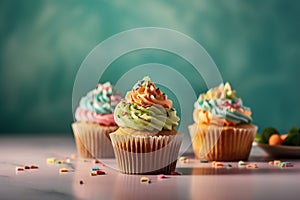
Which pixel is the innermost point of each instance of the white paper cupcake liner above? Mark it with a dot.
(146, 154)
(222, 143)
(92, 140)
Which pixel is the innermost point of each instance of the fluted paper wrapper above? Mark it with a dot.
(92, 140)
(146, 154)
(222, 143)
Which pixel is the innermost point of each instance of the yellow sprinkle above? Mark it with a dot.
(93, 173)
(51, 160)
(144, 179)
(277, 162)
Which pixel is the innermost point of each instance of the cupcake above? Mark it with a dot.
(222, 128)
(146, 141)
(95, 121)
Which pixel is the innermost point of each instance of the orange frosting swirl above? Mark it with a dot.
(146, 94)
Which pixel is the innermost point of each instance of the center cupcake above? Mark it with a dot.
(222, 130)
(146, 141)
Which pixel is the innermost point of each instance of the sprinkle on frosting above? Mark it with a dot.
(221, 105)
(145, 107)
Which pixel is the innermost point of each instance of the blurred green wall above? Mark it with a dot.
(255, 44)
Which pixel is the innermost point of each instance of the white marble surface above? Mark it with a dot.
(199, 181)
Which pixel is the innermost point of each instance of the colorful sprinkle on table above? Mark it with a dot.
(252, 166)
(145, 179)
(63, 170)
(175, 173)
(161, 176)
(100, 172)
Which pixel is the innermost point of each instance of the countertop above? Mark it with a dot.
(198, 180)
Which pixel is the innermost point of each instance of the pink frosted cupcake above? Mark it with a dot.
(222, 130)
(95, 121)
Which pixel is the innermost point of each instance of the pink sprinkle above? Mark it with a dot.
(161, 176)
(175, 173)
(96, 161)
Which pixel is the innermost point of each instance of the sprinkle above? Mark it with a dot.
(213, 163)
(252, 166)
(95, 161)
(182, 159)
(286, 164)
(33, 167)
(68, 160)
(161, 176)
(175, 173)
(241, 163)
(271, 163)
(102, 165)
(51, 160)
(145, 179)
(203, 161)
(95, 168)
(81, 182)
(19, 168)
(277, 162)
(100, 172)
(93, 173)
(62, 170)
(218, 164)
(228, 165)
(58, 162)
(26, 167)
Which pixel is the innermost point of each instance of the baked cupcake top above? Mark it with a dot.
(146, 108)
(98, 105)
(221, 106)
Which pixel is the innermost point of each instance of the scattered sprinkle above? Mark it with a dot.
(34, 167)
(161, 176)
(100, 172)
(145, 179)
(95, 168)
(62, 170)
(252, 166)
(228, 165)
(277, 162)
(26, 167)
(51, 160)
(241, 163)
(19, 168)
(271, 163)
(81, 182)
(218, 164)
(93, 173)
(286, 164)
(95, 161)
(203, 161)
(175, 173)
(184, 159)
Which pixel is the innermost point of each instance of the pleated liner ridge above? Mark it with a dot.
(222, 143)
(92, 140)
(146, 154)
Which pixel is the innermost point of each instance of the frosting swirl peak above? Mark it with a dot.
(221, 105)
(146, 108)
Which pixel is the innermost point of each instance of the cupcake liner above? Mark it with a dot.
(146, 154)
(92, 140)
(222, 143)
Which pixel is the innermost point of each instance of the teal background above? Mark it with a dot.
(255, 44)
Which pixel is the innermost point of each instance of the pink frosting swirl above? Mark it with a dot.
(92, 117)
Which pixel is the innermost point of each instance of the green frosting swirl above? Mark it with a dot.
(151, 118)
